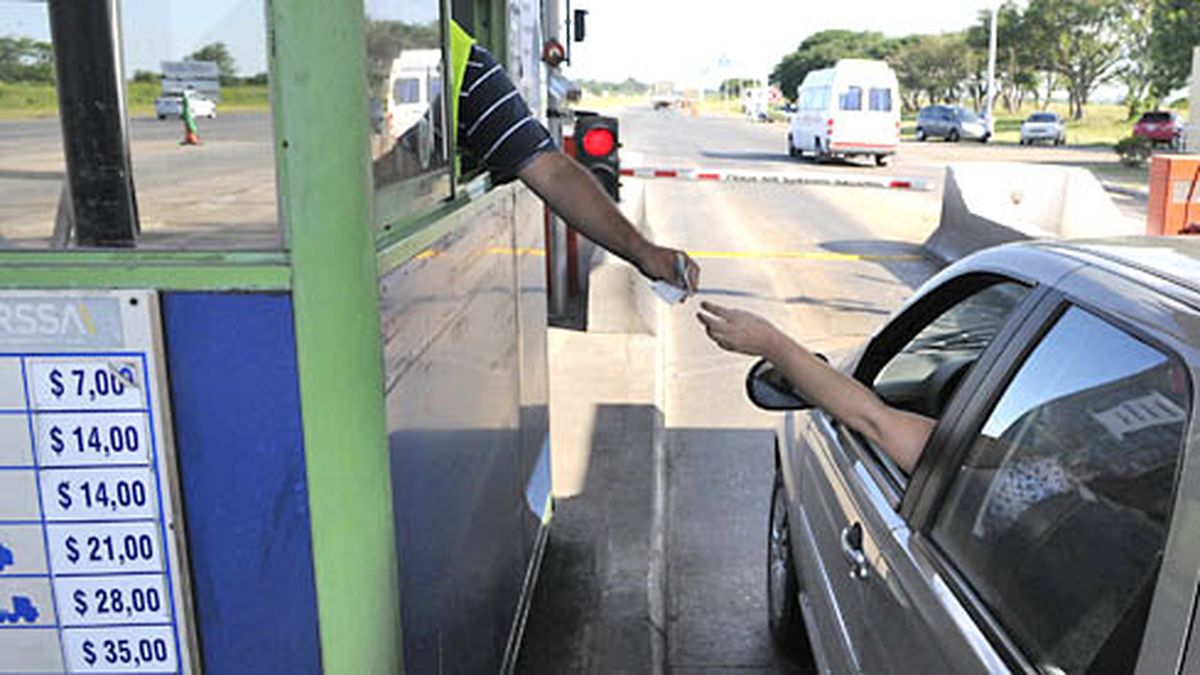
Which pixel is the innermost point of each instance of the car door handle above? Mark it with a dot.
(852, 536)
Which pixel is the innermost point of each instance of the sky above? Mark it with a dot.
(696, 43)
(688, 41)
(165, 30)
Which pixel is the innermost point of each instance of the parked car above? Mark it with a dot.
(951, 122)
(1043, 126)
(1048, 525)
(171, 105)
(1161, 126)
(847, 110)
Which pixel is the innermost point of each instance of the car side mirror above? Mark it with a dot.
(769, 389)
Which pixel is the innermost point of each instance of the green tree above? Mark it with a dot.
(1136, 62)
(734, 87)
(1084, 40)
(1016, 56)
(145, 76)
(822, 50)
(1176, 32)
(217, 53)
(936, 66)
(26, 60)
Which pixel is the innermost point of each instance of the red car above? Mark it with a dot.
(1160, 126)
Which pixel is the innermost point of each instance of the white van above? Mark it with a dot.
(852, 108)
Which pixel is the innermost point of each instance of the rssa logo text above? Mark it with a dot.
(50, 319)
(60, 322)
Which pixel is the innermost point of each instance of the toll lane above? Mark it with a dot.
(826, 264)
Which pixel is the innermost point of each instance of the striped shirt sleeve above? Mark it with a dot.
(495, 126)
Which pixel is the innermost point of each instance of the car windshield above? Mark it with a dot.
(1156, 117)
(967, 116)
(1043, 117)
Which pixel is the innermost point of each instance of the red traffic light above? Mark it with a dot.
(599, 142)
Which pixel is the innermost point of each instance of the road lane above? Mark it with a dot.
(828, 265)
(218, 195)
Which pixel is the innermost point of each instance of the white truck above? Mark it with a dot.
(664, 96)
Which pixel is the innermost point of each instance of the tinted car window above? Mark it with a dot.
(967, 115)
(1043, 117)
(1156, 117)
(1058, 516)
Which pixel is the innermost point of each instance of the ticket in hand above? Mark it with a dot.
(670, 293)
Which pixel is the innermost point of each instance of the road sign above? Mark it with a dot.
(201, 76)
(93, 573)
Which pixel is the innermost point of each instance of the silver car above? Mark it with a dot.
(1043, 126)
(951, 122)
(1050, 523)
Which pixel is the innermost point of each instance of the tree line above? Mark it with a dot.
(1071, 46)
(25, 60)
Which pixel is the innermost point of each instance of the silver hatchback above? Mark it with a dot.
(1050, 523)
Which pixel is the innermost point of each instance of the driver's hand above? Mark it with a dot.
(738, 331)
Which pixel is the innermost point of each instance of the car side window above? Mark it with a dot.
(1058, 517)
(924, 371)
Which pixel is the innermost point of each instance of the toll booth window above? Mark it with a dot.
(409, 125)
(189, 166)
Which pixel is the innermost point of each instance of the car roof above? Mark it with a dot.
(1174, 260)
(1171, 265)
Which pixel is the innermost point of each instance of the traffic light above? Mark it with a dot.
(597, 147)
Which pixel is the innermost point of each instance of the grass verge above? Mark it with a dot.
(23, 100)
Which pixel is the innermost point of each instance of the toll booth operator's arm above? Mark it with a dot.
(899, 433)
(496, 129)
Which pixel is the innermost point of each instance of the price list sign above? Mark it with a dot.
(92, 571)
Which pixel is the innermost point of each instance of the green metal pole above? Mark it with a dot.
(321, 118)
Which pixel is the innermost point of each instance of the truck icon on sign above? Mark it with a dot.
(6, 557)
(22, 609)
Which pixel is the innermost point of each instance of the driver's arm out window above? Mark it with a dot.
(924, 374)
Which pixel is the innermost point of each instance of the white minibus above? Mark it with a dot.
(850, 109)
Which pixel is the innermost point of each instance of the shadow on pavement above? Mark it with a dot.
(590, 610)
(779, 157)
(908, 262)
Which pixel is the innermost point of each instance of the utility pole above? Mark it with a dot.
(556, 229)
(991, 85)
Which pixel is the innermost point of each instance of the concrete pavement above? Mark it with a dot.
(767, 248)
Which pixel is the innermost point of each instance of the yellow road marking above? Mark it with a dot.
(799, 255)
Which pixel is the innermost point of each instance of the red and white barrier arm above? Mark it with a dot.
(791, 178)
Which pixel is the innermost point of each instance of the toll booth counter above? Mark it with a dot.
(273, 388)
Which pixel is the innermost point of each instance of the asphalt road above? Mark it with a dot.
(777, 250)
(218, 195)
